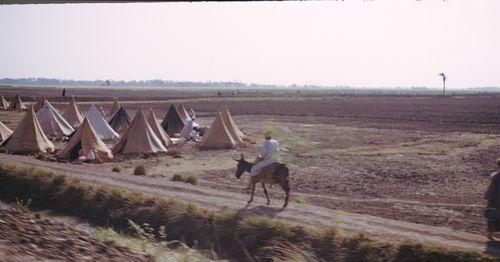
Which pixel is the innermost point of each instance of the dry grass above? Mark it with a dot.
(228, 234)
(185, 178)
(300, 200)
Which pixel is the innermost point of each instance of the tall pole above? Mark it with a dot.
(444, 85)
(444, 82)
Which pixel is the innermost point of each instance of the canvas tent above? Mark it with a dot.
(233, 129)
(115, 108)
(17, 104)
(159, 132)
(120, 120)
(40, 102)
(5, 132)
(139, 138)
(4, 105)
(85, 143)
(101, 127)
(28, 137)
(218, 136)
(183, 113)
(172, 123)
(73, 114)
(53, 124)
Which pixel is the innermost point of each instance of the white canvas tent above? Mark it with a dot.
(101, 127)
(4, 105)
(52, 123)
(5, 132)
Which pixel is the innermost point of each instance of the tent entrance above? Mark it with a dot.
(75, 151)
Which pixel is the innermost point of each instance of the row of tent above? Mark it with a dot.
(140, 135)
(15, 104)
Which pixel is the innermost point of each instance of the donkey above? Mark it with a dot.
(276, 173)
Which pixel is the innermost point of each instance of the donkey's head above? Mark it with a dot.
(242, 166)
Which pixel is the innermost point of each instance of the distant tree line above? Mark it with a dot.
(210, 84)
(150, 83)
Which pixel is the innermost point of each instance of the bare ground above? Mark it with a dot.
(395, 167)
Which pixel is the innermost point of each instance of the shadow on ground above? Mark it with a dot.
(260, 211)
(492, 248)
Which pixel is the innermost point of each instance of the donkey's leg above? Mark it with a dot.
(251, 195)
(286, 187)
(265, 192)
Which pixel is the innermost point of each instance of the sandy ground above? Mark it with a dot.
(396, 168)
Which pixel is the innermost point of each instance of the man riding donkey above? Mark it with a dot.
(266, 170)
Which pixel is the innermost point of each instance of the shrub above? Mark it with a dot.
(116, 169)
(140, 170)
(193, 180)
(177, 178)
(190, 179)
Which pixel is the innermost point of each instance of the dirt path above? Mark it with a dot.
(384, 229)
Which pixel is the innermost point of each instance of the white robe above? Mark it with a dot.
(188, 131)
(269, 153)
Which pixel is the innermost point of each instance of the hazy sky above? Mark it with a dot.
(355, 43)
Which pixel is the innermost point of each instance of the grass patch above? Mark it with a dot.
(141, 244)
(185, 178)
(300, 200)
(229, 234)
(140, 170)
(116, 169)
(297, 145)
(22, 205)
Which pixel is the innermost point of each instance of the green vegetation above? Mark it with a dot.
(300, 200)
(140, 170)
(298, 146)
(181, 177)
(141, 240)
(229, 234)
(116, 169)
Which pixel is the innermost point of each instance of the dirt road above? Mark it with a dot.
(380, 228)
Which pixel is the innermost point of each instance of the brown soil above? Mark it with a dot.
(418, 159)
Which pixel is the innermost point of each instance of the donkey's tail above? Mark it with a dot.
(284, 171)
